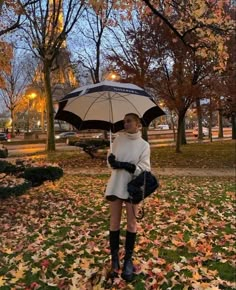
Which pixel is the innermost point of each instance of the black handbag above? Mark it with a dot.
(142, 186)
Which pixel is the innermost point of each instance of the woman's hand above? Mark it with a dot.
(111, 159)
(120, 165)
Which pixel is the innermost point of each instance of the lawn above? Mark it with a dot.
(198, 155)
(56, 236)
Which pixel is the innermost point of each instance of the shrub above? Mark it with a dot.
(91, 146)
(37, 175)
(8, 188)
(97, 143)
(3, 153)
(72, 140)
(7, 167)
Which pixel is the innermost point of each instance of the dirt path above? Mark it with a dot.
(164, 171)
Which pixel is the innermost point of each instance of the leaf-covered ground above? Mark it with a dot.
(56, 236)
(201, 155)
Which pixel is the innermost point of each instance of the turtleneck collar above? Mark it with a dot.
(133, 136)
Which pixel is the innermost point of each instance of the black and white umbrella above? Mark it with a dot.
(104, 105)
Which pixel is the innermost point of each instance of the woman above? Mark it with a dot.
(131, 156)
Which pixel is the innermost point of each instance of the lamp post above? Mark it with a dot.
(30, 97)
(112, 76)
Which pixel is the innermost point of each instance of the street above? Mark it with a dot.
(156, 139)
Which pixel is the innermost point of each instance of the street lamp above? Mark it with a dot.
(113, 76)
(30, 97)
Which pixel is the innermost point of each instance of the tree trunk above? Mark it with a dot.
(233, 117)
(179, 133)
(173, 125)
(145, 133)
(12, 124)
(210, 120)
(220, 123)
(183, 135)
(42, 121)
(49, 108)
(199, 115)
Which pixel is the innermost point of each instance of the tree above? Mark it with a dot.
(14, 83)
(151, 57)
(201, 25)
(45, 34)
(93, 31)
(227, 80)
(132, 54)
(5, 60)
(11, 14)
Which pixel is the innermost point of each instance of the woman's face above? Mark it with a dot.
(130, 124)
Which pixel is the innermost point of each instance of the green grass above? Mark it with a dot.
(202, 155)
(198, 155)
(57, 236)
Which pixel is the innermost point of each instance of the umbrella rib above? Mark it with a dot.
(130, 103)
(91, 105)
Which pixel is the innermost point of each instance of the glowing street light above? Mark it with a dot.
(113, 76)
(30, 97)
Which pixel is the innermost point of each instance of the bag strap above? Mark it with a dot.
(141, 216)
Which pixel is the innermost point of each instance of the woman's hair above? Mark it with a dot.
(135, 117)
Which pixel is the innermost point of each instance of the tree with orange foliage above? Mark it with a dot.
(5, 60)
(11, 16)
(202, 25)
(151, 56)
(14, 82)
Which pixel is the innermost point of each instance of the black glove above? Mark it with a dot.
(127, 166)
(111, 159)
(120, 165)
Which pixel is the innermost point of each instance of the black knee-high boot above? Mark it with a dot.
(114, 246)
(128, 269)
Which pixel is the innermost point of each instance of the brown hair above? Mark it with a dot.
(135, 117)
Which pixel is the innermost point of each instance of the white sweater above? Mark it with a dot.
(128, 148)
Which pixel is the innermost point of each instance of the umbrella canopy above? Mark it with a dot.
(104, 105)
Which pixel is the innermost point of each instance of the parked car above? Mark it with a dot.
(162, 127)
(65, 135)
(101, 136)
(3, 137)
(205, 131)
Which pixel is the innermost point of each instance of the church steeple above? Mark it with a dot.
(56, 17)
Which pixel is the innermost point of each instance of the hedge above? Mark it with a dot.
(37, 175)
(14, 190)
(3, 153)
(31, 176)
(7, 167)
